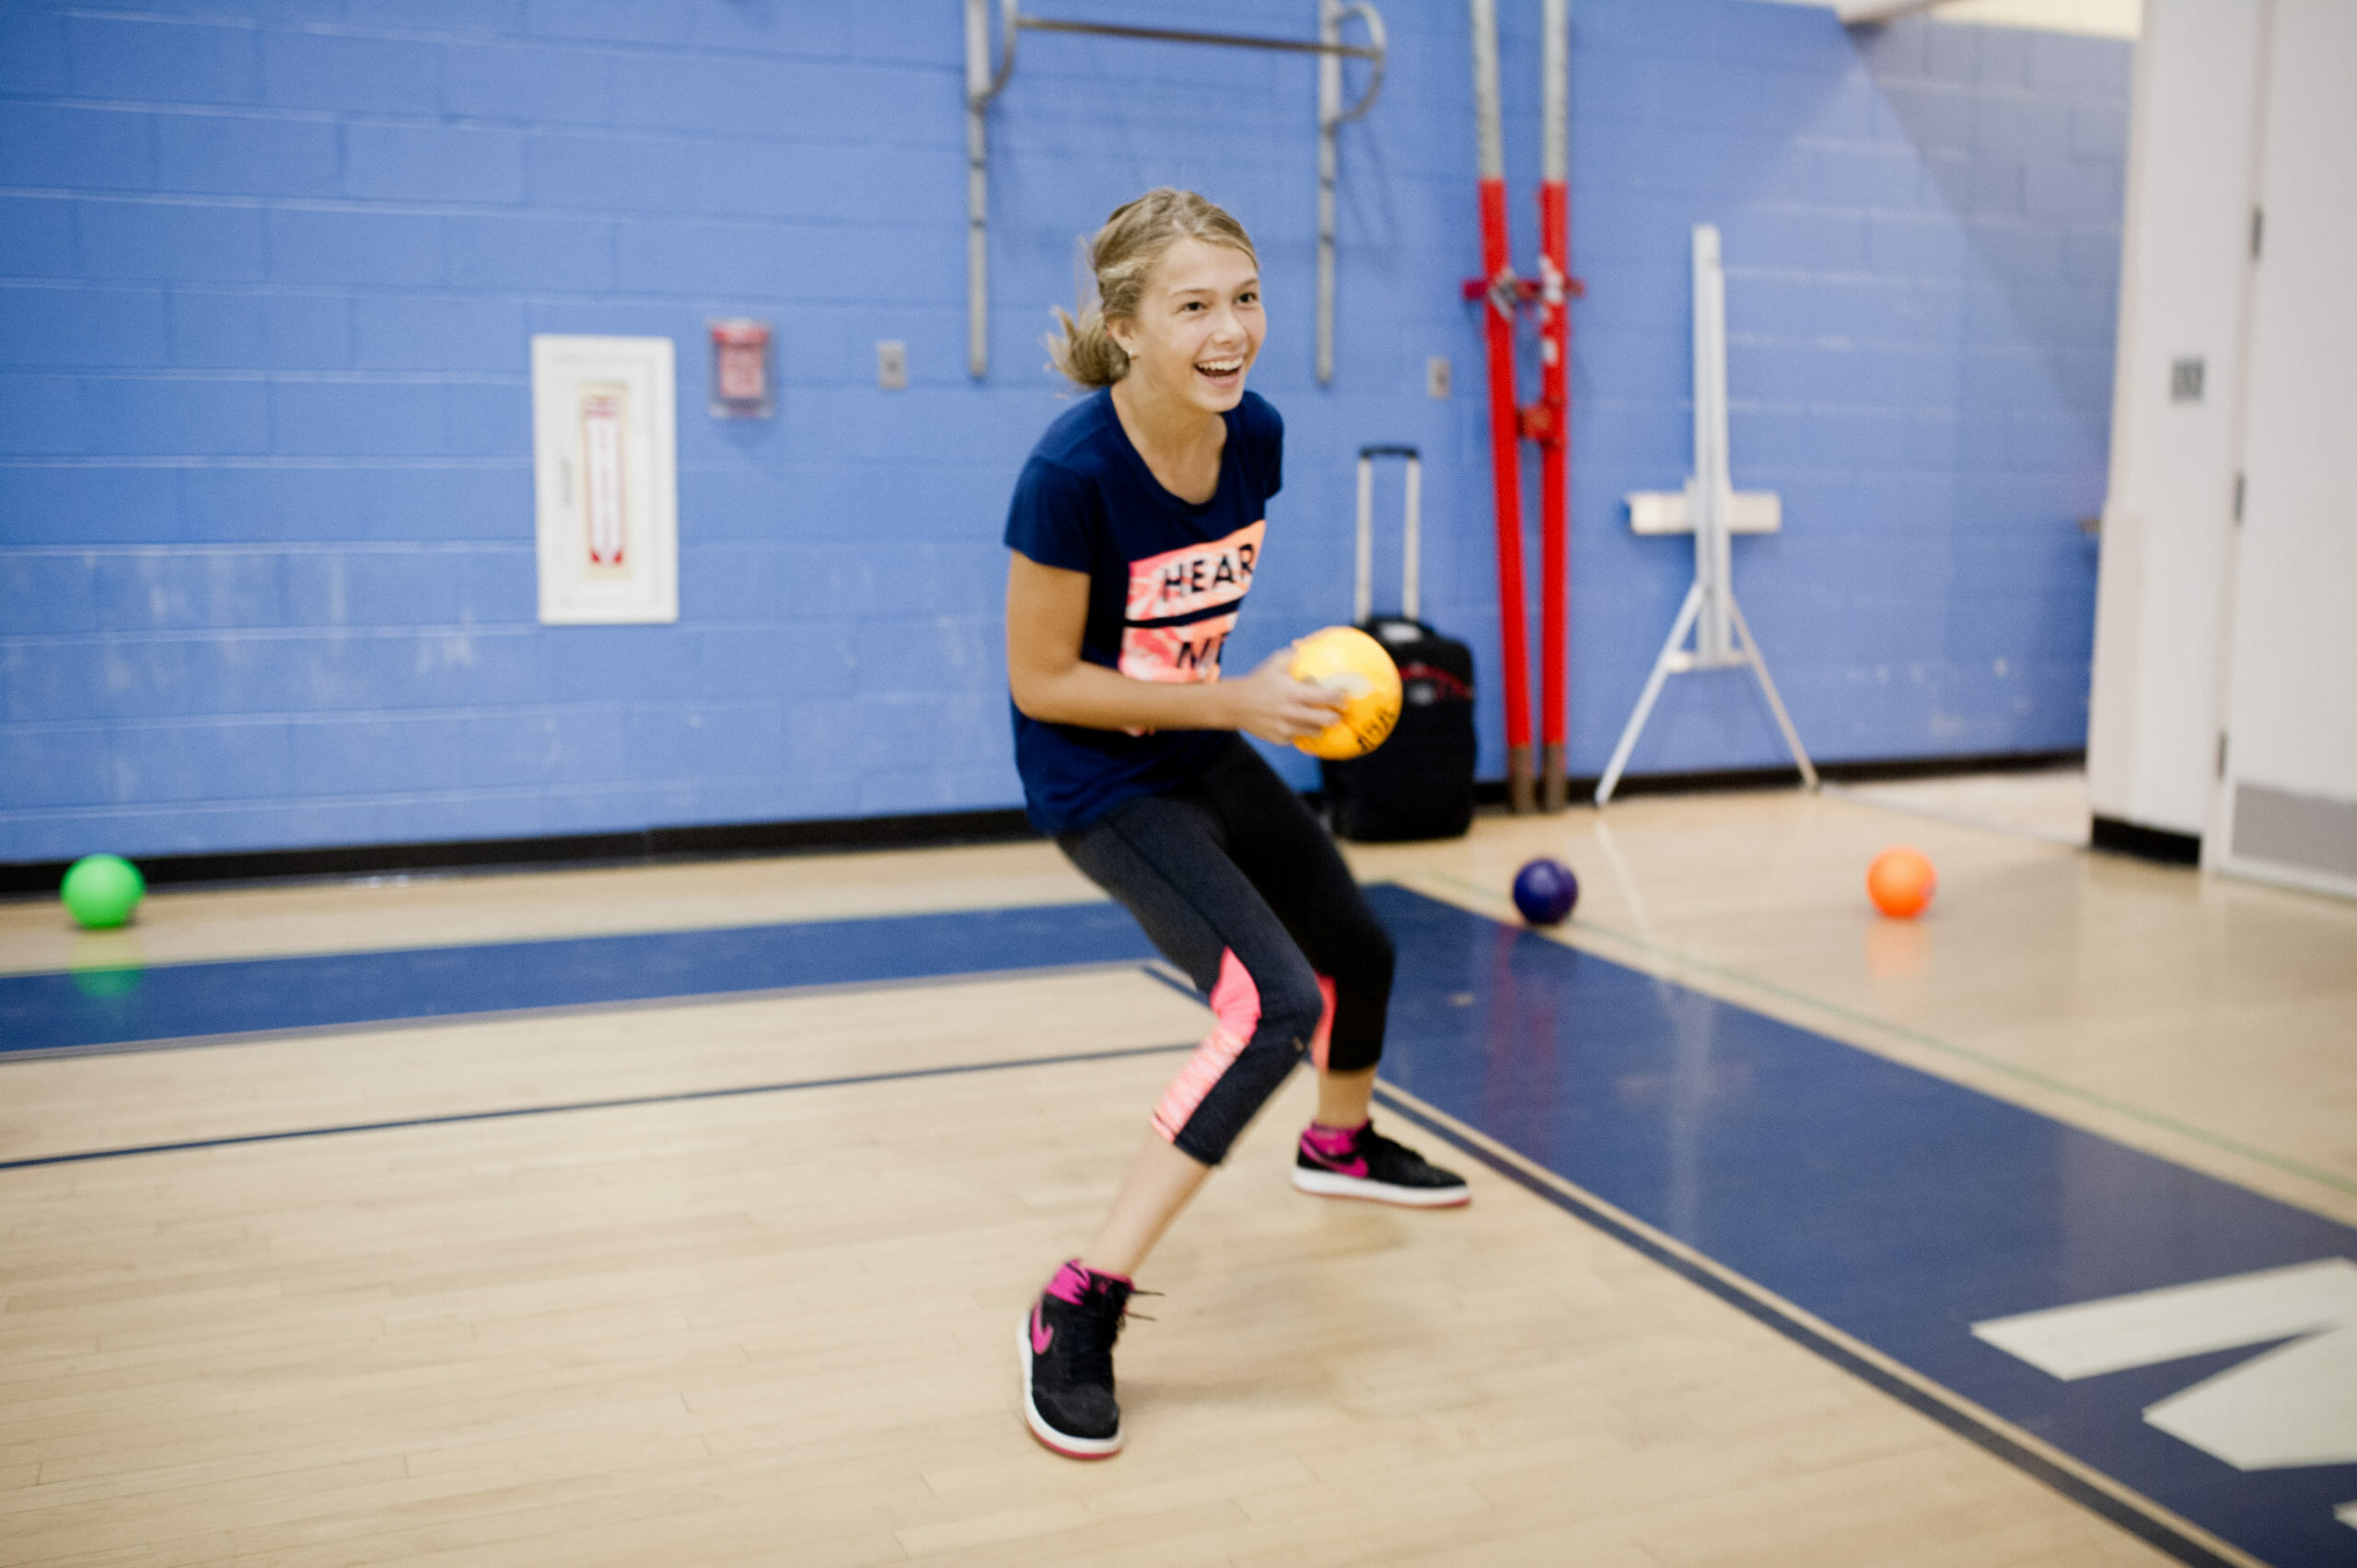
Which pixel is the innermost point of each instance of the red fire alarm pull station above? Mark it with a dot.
(741, 386)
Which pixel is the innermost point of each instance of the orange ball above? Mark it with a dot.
(1901, 882)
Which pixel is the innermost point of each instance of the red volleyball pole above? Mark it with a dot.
(1553, 424)
(1502, 296)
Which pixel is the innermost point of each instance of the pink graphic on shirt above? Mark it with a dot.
(1176, 653)
(1194, 577)
(1187, 581)
(1236, 1013)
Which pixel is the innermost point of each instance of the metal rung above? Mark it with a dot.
(1176, 35)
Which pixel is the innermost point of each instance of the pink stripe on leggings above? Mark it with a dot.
(1321, 1037)
(1236, 1013)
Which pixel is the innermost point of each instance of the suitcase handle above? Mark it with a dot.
(1363, 596)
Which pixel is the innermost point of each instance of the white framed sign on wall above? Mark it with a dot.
(605, 479)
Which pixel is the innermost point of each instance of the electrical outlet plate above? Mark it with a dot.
(1436, 377)
(892, 364)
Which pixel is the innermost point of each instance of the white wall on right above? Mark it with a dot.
(2168, 520)
(2288, 805)
(2224, 694)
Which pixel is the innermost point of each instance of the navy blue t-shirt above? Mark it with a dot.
(1167, 579)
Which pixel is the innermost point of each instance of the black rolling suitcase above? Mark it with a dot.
(1419, 783)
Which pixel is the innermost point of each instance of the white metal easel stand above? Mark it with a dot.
(1712, 510)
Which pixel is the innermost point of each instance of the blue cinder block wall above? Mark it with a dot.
(269, 269)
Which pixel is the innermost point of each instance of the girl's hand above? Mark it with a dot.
(1271, 703)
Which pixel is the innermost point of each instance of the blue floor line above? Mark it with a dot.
(57, 1013)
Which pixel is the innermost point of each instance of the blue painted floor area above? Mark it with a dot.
(1896, 1206)
(126, 1006)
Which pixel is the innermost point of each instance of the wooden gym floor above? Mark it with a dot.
(772, 1326)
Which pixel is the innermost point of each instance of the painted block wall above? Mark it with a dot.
(268, 271)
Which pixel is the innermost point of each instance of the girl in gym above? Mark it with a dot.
(1135, 533)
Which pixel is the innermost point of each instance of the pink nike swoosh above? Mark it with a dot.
(1041, 1335)
(1357, 1167)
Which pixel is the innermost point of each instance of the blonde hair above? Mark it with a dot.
(1123, 256)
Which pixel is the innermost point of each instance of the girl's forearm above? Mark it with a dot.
(1093, 697)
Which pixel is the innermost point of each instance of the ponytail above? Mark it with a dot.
(1084, 351)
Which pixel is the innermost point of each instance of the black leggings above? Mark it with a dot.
(1237, 884)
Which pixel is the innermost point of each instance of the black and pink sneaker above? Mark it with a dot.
(1067, 1343)
(1359, 1162)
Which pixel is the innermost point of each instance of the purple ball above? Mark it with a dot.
(1545, 891)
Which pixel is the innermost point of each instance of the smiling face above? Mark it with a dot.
(1198, 327)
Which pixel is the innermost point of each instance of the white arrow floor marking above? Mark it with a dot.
(2295, 1405)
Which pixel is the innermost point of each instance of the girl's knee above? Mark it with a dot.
(1266, 1020)
(1275, 998)
(1291, 1005)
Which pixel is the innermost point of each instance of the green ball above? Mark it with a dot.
(101, 890)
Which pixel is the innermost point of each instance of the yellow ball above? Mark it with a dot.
(1348, 660)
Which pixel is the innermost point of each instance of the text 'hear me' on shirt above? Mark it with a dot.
(1182, 605)
(1167, 578)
